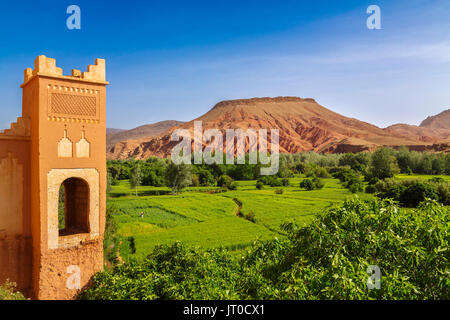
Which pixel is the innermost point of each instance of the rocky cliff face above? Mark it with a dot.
(303, 125)
(146, 131)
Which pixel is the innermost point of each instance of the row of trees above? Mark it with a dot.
(384, 159)
(381, 164)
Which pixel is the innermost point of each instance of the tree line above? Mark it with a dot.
(383, 163)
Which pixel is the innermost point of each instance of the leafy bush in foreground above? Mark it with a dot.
(8, 291)
(327, 259)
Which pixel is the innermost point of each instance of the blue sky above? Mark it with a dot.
(176, 59)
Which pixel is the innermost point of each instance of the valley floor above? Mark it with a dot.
(205, 217)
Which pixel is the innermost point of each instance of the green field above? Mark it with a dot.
(200, 217)
(421, 176)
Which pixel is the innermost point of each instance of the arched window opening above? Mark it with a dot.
(73, 210)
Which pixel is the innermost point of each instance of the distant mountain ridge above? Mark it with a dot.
(432, 129)
(145, 131)
(113, 130)
(303, 124)
(439, 121)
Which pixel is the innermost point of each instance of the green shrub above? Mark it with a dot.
(411, 192)
(307, 184)
(384, 164)
(250, 216)
(259, 185)
(111, 241)
(224, 181)
(327, 259)
(232, 186)
(316, 171)
(276, 183)
(344, 174)
(443, 192)
(318, 184)
(8, 291)
(370, 188)
(417, 192)
(356, 186)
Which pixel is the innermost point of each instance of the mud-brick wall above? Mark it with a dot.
(62, 267)
(15, 262)
(15, 224)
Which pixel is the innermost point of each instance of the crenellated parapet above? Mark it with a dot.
(21, 128)
(44, 66)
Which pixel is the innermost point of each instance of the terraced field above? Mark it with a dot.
(200, 217)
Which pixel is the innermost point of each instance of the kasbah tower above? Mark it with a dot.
(60, 140)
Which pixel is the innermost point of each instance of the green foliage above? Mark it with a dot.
(224, 181)
(313, 170)
(259, 185)
(357, 162)
(326, 259)
(250, 216)
(318, 183)
(344, 174)
(170, 218)
(8, 291)
(111, 240)
(370, 189)
(443, 192)
(384, 164)
(136, 176)
(205, 177)
(353, 182)
(61, 208)
(411, 192)
(178, 176)
(422, 162)
(310, 163)
(232, 186)
(312, 184)
(272, 181)
(355, 186)
(307, 184)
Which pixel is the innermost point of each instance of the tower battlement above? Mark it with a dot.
(44, 66)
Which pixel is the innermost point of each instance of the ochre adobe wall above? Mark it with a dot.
(60, 137)
(15, 227)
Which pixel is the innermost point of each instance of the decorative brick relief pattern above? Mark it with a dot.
(73, 105)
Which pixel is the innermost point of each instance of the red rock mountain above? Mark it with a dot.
(141, 132)
(303, 125)
(440, 121)
(433, 129)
